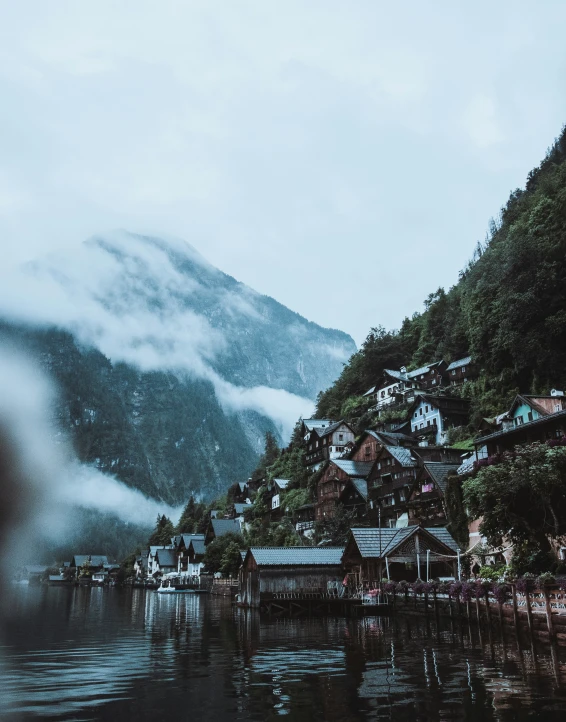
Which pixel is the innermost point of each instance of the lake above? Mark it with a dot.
(121, 654)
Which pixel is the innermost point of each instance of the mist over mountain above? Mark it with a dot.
(169, 371)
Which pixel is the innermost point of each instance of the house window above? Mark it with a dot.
(434, 381)
(379, 464)
(416, 414)
(428, 423)
(340, 437)
(530, 415)
(556, 407)
(426, 409)
(401, 495)
(463, 369)
(453, 372)
(422, 425)
(421, 411)
(518, 421)
(383, 394)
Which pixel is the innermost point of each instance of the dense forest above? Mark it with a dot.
(508, 309)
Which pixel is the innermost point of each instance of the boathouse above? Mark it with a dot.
(268, 572)
(408, 553)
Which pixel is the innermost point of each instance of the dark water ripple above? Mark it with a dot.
(82, 654)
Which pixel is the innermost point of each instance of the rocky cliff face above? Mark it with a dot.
(169, 371)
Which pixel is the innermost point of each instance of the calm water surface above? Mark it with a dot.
(96, 654)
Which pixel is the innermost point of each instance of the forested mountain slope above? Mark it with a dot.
(508, 309)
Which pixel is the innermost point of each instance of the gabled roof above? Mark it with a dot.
(548, 419)
(188, 538)
(243, 486)
(243, 553)
(387, 438)
(311, 424)
(154, 549)
(371, 391)
(297, 556)
(447, 404)
(402, 455)
(198, 546)
(529, 401)
(331, 429)
(360, 469)
(375, 543)
(460, 362)
(225, 526)
(95, 560)
(166, 557)
(36, 568)
(241, 508)
(281, 483)
(361, 487)
(439, 472)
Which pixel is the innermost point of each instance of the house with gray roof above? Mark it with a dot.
(328, 443)
(219, 527)
(337, 475)
(408, 553)
(267, 572)
(427, 505)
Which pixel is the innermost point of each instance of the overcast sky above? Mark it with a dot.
(343, 157)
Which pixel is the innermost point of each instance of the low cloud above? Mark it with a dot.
(153, 303)
(42, 482)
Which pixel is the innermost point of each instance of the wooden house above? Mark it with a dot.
(332, 483)
(219, 527)
(409, 553)
(431, 417)
(274, 498)
(390, 484)
(369, 445)
(460, 371)
(530, 419)
(304, 520)
(331, 442)
(182, 549)
(269, 571)
(354, 497)
(426, 506)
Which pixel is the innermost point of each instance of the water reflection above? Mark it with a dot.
(118, 654)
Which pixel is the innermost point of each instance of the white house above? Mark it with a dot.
(432, 416)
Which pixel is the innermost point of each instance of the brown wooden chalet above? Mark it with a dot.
(390, 484)
(369, 445)
(409, 553)
(269, 572)
(333, 481)
(460, 371)
(330, 442)
(426, 505)
(354, 498)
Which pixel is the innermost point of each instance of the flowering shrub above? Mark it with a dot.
(501, 592)
(525, 583)
(390, 587)
(444, 588)
(418, 586)
(403, 586)
(546, 578)
(468, 591)
(455, 589)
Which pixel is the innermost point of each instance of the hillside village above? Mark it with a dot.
(394, 480)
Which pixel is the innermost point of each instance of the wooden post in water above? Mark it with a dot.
(548, 609)
(478, 614)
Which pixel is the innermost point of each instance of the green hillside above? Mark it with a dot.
(508, 309)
